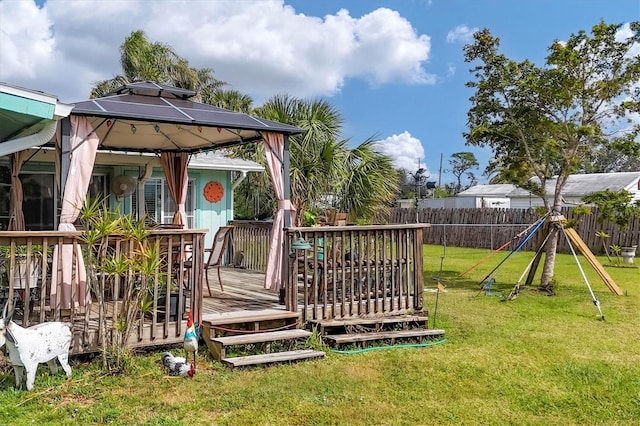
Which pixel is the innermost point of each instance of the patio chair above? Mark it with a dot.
(216, 253)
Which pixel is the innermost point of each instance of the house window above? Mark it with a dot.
(38, 205)
(5, 186)
(159, 206)
(98, 187)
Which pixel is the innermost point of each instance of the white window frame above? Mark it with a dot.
(166, 215)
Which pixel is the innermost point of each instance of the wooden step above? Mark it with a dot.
(249, 317)
(270, 336)
(299, 355)
(326, 326)
(372, 320)
(385, 335)
(233, 323)
(218, 345)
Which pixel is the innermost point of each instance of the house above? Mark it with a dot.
(478, 196)
(29, 120)
(486, 196)
(576, 187)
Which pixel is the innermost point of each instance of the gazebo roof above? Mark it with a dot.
(151, 117)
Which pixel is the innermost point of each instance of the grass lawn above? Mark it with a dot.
(537, 360)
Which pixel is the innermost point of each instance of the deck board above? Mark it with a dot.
(243, 291)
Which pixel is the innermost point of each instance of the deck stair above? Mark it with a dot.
(266, 333)
(391, 329)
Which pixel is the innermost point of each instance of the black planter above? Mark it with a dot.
(173, 307)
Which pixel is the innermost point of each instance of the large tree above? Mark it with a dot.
(228, 99)
(550, 121)
(142, 60)
(314, 163)
(461, 163)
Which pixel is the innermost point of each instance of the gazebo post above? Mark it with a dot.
(287, 222)
(286, 163)
(65, 156)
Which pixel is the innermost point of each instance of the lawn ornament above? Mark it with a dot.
(28, 347)
(191, 337)
(177, 365)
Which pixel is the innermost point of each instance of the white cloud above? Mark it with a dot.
(260, 47)
(451, 70)
(26, 39)
(404, 150)
(623, 34)
(461, 34)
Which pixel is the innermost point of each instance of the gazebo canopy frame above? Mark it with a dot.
(151, 117)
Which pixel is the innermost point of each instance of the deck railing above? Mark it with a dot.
(27, 269)
(355, 271)
(251, 240)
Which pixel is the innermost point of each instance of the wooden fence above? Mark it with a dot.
(251, 241)
(491, 228)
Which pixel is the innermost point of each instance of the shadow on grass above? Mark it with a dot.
(452, 280)
(449, 279)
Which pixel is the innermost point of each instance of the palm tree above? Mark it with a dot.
(370, 183)
(324, 171)
(228, 99)
(143, 60)
(315, 155)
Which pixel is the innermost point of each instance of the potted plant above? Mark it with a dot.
(174, 295)
(134, 264)
(628, 253)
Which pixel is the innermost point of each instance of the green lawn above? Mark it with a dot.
(537, 360)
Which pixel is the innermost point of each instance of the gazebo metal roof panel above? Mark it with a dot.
(151, 117)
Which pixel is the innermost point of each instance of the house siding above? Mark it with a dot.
(634, 189)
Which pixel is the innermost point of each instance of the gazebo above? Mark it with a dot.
(160, 119)
(143, 117)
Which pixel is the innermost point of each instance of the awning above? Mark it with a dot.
(28, 118)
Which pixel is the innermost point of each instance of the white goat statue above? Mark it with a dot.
(31, 346)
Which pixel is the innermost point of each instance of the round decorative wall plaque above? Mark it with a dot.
(213, 191)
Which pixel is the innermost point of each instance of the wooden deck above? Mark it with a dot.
(243, 292)
(355, 272)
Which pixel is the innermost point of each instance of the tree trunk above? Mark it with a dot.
(549, 262)
(546, 283)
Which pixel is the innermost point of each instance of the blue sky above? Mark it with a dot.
(394, 69)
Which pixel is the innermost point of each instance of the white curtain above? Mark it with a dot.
(84, 145)
(274, 150)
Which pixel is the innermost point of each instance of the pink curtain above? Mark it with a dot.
(16, 222)
(274, 150)
(84, 145)
(175, 170)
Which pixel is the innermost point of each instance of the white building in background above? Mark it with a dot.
(487, 196)
(510, 196)
(578, 186)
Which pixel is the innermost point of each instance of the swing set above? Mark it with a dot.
(555, 223)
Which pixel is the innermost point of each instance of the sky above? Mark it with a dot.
(394, 69)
